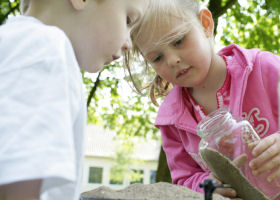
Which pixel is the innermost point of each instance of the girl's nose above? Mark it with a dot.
(173, 59)
(127, 45)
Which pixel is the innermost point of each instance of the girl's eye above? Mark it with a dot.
(178, 42)
(157, 59)
(128, 20)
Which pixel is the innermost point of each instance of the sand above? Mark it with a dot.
(156, 191)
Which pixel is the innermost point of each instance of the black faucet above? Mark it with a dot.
(209, 186)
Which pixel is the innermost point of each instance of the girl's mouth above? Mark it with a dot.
(183, 72)
(114, 57)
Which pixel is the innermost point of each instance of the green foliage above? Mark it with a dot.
(255, 25)
(271, 6)
(121, 110)
(8, 7)
(123, 162)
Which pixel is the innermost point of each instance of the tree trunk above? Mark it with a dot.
(163, 173)
(93, 89)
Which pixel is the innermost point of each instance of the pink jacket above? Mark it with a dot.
(253, 95)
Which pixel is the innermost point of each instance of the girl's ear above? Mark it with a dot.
(78, 4)
(206, 20)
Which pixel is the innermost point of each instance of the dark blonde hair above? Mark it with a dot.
(160, 13)
(24, 5)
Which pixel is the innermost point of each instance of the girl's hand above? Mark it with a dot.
(226, 192)
(266, 157)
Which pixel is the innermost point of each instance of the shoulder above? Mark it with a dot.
(265, 58)
(31, 50)
(48, 40)
(268, 65)
(37, 46)
(29, 39)
(176, 109)
(263, 63)
(249, 56)
(242, 57)
(31, 29)
(171, 107)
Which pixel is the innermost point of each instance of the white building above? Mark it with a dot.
(100, 147)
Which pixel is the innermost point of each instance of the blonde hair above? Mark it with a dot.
(24, 4)
(161, 13)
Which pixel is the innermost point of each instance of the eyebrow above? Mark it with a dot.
(156, 51)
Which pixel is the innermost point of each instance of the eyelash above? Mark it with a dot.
(157, 59)
(128, 21)
(176, 43)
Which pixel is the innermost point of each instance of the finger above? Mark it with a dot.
(213, 177)
(253, 144)
(266, 166)
(274, 176)
(240, 160)
(269, 153)
(264, 144)
(226, 192)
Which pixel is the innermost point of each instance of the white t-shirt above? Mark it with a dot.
(42, 108)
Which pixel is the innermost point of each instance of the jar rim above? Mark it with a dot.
(210, 120)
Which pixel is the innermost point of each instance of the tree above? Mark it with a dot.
(255, 25)
(7, 8)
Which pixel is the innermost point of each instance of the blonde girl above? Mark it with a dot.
(175, 38)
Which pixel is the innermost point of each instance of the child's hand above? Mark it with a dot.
(226, 146)
(226, 192)
(266, 157)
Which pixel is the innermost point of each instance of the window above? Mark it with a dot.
(116, 176)
(95, 175)
(153, 174)
(136, 176)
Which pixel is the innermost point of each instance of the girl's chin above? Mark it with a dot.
(93, 68)
(107, 63)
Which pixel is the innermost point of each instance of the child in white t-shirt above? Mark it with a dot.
(42, 107)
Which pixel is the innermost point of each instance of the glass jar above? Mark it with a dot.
(233, 138)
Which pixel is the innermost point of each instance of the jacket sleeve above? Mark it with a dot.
(183, 168)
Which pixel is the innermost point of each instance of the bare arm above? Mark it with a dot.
(24, 190)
